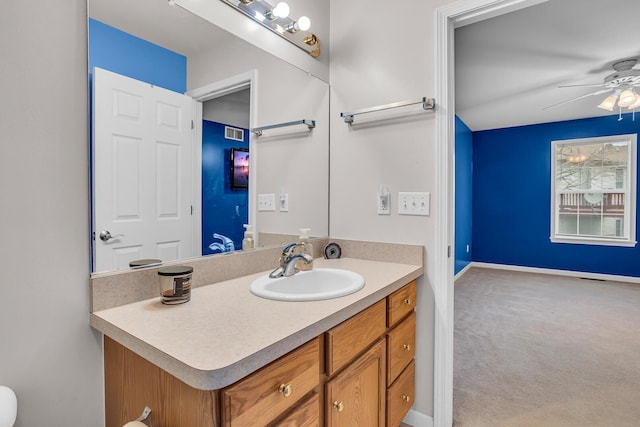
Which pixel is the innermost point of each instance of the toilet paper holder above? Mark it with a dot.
(138, 421)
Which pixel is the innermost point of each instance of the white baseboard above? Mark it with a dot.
(461, 272)
(597, 276)
(418, 419)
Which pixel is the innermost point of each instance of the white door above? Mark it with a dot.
(142, 180)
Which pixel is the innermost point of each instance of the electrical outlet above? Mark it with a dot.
(266, 202)
(383, 201)
(384, 204)
(284, 203)
(414, 203)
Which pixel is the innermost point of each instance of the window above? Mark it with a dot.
(593, 191)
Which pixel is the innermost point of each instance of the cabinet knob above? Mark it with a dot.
(406, 397)
(286, 389)
(407, 301)
(338, 405)
(407, 347)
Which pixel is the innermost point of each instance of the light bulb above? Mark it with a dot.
(627, 97)
(281, 10)
(304, 23)
(608, 103)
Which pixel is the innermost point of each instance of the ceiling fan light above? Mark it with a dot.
(636, 104)
(608, 103)
(627, 97)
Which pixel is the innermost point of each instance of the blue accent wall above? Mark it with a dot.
(122, 53)
(512, 200)
(464, 187)
(224, 210)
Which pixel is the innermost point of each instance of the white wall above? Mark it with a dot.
(232, 109)
(48, 353)
(293, 158)
(382, 54)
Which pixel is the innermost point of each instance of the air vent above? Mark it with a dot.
(234, 133)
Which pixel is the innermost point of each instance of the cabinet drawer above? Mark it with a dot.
(356, 396)
(264, 395)
(306, 414)
(401, 347)
(351, 337)
(400, 396)
(400, 303)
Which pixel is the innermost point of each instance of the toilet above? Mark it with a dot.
(8, 407)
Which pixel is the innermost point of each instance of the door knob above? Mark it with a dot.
(105, 235)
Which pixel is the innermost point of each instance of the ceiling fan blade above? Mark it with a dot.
(598, 92)
(585, 85)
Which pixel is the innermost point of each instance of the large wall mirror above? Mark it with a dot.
(176, 171)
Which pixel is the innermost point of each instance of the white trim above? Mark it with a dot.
(417, 419)
(464, 270)
(197, 178)
(578, 240)
(552, 271)
(460, 13)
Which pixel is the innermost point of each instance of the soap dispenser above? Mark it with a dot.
(247, 242)
(306, 248)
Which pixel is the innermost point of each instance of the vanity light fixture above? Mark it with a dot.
(276, 18)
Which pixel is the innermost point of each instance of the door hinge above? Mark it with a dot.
(449, 251)
(191, 209)
(192, 125)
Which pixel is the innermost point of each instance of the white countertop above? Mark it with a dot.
(225, 332)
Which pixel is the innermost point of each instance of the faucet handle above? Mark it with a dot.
(287, 249)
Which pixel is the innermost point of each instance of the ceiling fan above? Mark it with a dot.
(622, 82)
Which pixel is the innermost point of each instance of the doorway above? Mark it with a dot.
(227, 106)
(462, 12)
(225, 149)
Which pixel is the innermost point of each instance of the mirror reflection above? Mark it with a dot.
(185, 183)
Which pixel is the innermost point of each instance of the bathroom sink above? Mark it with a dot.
(313, 285)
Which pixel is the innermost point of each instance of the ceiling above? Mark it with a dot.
(508, 68)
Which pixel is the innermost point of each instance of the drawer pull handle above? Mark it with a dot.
(406, 398)
(407, 301)
(286, 389)
(338, 405)
(406, 347)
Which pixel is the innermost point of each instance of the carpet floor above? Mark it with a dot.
(542, 350)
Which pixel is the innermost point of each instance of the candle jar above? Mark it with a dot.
(175, 284)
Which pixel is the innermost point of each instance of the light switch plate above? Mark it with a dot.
(266, 202)
(414, 203)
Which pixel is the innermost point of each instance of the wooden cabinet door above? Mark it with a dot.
(356, 396)
(306, 414)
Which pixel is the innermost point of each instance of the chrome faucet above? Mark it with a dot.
(288, 261)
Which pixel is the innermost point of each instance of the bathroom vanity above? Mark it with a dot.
(230, 358)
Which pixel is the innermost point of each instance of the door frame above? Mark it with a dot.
(447, 18)
(247, 80)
